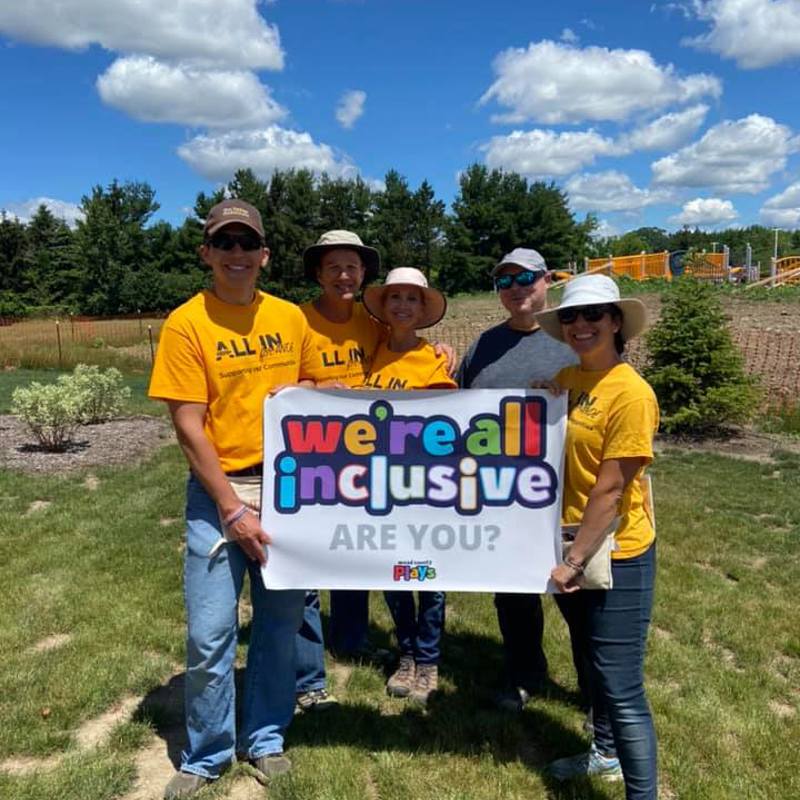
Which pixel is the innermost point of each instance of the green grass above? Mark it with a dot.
(138, 403)
(723, 668)
(782, 419)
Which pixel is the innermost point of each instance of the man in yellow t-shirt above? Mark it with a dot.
(218, 356)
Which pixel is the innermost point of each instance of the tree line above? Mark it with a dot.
(117, 260)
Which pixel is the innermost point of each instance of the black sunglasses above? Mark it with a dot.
(525, 278)
(566, 316)
(227, 241)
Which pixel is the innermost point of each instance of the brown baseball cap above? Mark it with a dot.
(229, 211)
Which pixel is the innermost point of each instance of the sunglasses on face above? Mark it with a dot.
(566, 316)
(227, 241)
(526, 278)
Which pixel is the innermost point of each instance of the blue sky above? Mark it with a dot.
(662, 113)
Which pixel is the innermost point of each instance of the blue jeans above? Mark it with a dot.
(211, 591)
(310, 669)
(419, 634)
(613, 627)
(521, 621)
(349, 621)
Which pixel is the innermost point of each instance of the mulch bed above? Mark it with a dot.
(115, 443)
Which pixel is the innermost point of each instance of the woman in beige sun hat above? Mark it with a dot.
(612, 419)
(405, 303)
(405, 361)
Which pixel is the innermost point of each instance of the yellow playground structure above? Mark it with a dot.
(715, 267)
(639, 267)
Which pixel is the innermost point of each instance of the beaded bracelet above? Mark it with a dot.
(574, 565)
(235, 516)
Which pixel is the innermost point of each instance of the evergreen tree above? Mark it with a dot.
(111, 242)
(12, 277)
(427, 227)
(50, 272)
(694, 367)
(392, 222)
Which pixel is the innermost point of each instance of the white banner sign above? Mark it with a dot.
(433, 490)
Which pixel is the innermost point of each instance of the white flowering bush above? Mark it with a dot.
(52, 412)
(102, 394)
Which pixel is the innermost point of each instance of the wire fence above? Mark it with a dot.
(130, 344)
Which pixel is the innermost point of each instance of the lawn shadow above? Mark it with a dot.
(461, 720)
(162, 710)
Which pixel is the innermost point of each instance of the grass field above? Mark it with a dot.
(138, 403)
(92, 631)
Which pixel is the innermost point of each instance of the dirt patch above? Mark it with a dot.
(781, 710)
(339, 674)
(25, 765)
(246, 788)
(36, 506)
(118, 442)
(726, 656)
(51, 643)
(94, 731)
(744, 444)
(92, 483)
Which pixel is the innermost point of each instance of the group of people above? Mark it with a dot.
(226, 348)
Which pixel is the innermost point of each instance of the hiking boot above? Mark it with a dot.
(270, 765)
(316, 700)
(425, 684)
(184, 784)
(401, 681)
(592, 764)
(513, 699)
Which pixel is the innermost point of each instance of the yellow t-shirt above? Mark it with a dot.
(419, 368)
(228, 357)
(612, 414)
(343, 351)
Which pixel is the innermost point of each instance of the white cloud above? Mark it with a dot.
(196, 30)
(668, 131)
(63, 209)
(783, 210)
(557, 83)
(733, 156)
(604, 230)
(756, 33)
(350, 107)
(217, 157)
(152, 91)
(609, 191)
(541, 153)
(705, 212)
(569, 36)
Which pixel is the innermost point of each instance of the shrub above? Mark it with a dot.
(694, 367)
(102, 395)
(51, 411)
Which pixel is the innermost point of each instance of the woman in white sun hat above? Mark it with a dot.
(406, 361)
(613, 416)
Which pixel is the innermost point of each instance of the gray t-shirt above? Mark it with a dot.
(502, 358)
